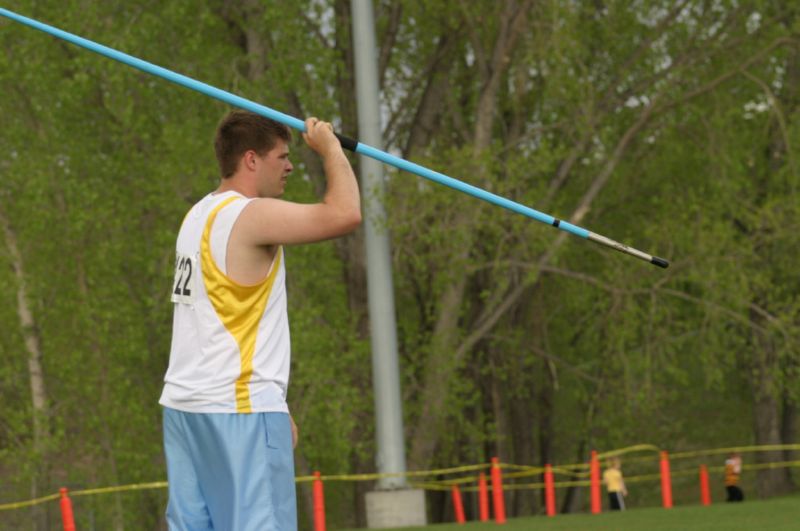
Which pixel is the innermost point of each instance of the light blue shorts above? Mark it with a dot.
(229, 471)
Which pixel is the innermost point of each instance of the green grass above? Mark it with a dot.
(774, 514)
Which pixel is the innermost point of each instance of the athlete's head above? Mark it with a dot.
(243, 131)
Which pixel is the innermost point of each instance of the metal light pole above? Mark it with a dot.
(380, 288)
(393, 504)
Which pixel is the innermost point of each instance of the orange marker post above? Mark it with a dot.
(67, 517)
(705, 491)
(594, 483)
(319, 503)
(458, 505)
(497, 492)
(483, 498)
(549, 491)
(666, 482)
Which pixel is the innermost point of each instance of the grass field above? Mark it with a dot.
(775, 514)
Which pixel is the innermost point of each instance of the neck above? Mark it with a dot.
(234, 184)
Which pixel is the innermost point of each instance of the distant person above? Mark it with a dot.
(733, 471)
(615, 485)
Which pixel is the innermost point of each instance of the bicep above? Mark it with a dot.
(270, 221)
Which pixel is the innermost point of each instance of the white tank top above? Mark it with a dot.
(230, 343)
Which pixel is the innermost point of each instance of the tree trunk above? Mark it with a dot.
(544, 407)
(440, 363)
(774, 414)
(770, 481)
(767, 415)
(520, 432)
(446, 332)
(573, 499)
(30, 333)
(106, 433)
(427, 118)
(789, 431)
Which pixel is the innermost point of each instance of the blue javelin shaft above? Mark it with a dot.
(353, 145)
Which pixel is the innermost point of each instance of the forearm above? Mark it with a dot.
(341, 206)
(342, 188)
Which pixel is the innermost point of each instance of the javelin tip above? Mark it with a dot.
(660, 262)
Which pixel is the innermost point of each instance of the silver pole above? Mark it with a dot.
(391, 456)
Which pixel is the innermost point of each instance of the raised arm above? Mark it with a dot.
(270, 221)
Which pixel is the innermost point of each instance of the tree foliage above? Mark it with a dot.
(672, 126)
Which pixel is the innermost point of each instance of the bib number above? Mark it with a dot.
(186, 271)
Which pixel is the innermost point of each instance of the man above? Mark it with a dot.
(615, 485)
(733, 472)
(228, 436)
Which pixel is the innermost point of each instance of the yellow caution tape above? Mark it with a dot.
(85, 492)
(628, 450)
(29, 503)
(120, 488)
(447, 485)
(738, 449)
(761, 466)
(578, 470)
(568, 472)
(374, 476)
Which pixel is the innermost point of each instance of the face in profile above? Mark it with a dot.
(273, 170)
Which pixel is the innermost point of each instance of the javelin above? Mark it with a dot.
(347, 143)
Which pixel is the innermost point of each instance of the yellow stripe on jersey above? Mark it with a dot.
(240, 308)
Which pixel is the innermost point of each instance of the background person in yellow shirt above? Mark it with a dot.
(615, 485)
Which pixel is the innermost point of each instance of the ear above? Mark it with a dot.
(249, 160)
